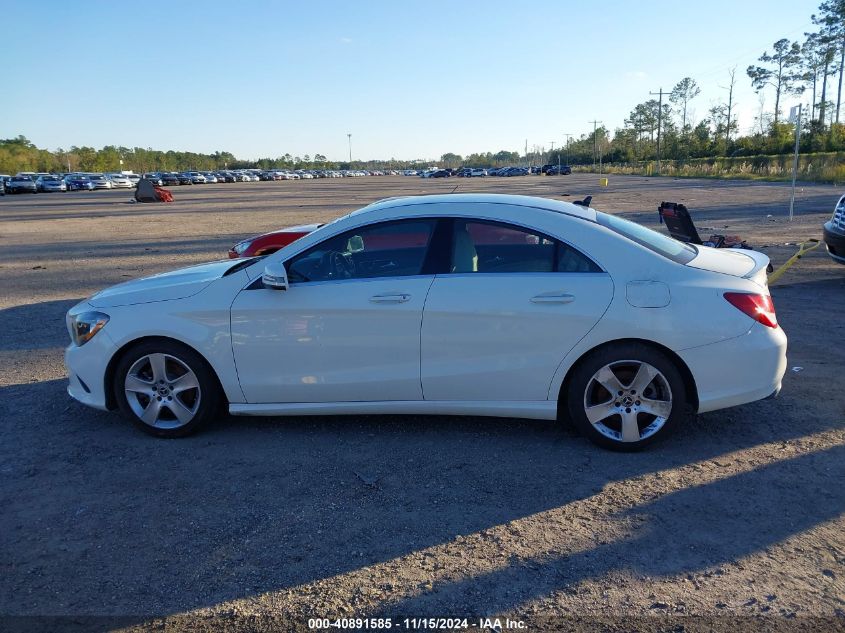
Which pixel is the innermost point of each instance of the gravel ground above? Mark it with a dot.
(259, 524)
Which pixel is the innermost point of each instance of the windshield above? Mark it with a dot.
(669, 247)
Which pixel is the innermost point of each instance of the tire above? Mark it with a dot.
(642, 408)
(182, 410)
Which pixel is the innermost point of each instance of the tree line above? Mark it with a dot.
(20, 154)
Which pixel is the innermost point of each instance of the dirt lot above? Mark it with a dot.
(262, 523)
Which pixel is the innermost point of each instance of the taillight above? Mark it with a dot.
(758, 307)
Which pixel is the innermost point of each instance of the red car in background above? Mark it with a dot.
(270, 242)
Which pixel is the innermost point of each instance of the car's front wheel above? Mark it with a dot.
(626, 397)
(166, 389)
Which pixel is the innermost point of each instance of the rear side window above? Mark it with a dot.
(670, 248)
(493, 247)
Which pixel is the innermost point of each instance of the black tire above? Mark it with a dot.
(582, 378)
(209, 393)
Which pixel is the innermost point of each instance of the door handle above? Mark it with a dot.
(391, 298)
(553, 297)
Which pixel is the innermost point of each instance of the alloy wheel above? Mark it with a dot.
(628, 400)
(162, 391)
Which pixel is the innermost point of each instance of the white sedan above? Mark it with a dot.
(469, 304)
(120, 181)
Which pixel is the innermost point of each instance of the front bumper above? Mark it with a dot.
(835, 242)
(740, 370)
(86, 368)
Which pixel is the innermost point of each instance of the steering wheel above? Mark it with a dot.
(338, 265)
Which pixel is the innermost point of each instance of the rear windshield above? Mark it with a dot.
(669, 247)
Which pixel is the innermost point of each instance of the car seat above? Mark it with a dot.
(464, 255)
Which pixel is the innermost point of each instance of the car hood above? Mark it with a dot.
(177, 284)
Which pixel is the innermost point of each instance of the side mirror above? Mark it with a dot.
(275, 276)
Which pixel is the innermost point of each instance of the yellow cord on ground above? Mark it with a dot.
(802, 249)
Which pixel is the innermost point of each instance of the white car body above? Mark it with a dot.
(495, 344)
(119, 181)
(100, 181)
(197, 178)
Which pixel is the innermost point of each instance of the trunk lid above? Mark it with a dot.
(732, 261)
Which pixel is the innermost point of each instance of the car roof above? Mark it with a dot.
(557, 206)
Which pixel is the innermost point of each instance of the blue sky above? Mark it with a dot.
(406, 79)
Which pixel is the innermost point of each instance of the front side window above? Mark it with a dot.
(393, 249)
(492, 247)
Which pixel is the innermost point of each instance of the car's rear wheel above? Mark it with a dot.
(626, 397)
(166, 389)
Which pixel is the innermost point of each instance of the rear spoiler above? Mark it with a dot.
(762, 266)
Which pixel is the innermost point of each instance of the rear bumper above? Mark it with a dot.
(739, 370)
(835, 242)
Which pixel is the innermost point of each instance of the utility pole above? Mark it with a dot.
(795, 162)
(595, 146)
(349, 136)
(526, 152)
(659, 125)
(568, 138)
(730, 90)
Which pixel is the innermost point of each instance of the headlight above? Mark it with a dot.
(85, 325)
(241, 247)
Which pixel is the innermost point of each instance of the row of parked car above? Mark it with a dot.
(253, 175)
(29, 182)
(479, 172)
(32, 182)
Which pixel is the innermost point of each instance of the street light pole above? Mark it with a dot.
(349, 136)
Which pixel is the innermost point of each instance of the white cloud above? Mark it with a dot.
(345, 40)
(639, 75)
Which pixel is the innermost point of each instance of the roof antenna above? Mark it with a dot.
(456, 188)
